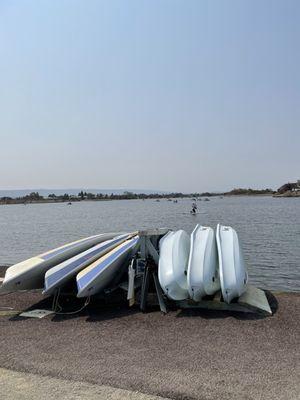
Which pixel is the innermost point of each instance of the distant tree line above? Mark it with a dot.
(83, 195)
(249, 191)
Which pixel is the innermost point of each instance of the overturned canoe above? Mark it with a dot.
(172, 265)
(29, 274)
(59, 275)
(202, 273)
(233, 272)
(98, 275)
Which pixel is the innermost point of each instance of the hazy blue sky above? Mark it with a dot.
(172, 95)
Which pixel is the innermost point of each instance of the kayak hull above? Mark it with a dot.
(202, 274)
(99, 275)
(29, 274)
(59, 275)
(172, 265)
(233, 271)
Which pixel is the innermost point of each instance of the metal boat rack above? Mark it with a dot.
(253, 300)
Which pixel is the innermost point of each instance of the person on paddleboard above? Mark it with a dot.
(194, 208)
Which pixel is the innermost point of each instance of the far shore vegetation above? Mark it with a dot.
(35, 197)
(249, 192)
(287, 190)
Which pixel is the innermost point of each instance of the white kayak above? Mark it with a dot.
(202, 274)
(172, 265)
(29, 274)
(60, 274)
(233, 272)
(98, 275)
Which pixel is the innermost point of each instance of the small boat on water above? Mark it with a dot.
(172, 265)
(29, 274)
(233, 272)
(202, 272)
(60, 274)
(98, 275)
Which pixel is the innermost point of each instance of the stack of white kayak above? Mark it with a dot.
(198, 265)
(93, 263)
(190, 266)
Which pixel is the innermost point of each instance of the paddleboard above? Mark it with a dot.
(59, 275)
(29, 274)
(98, 275)
(191, 213)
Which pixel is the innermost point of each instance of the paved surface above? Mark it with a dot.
(20, 386)
(184, 355)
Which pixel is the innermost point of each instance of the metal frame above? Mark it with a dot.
(148, 248)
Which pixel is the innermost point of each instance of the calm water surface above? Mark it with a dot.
(269, 229)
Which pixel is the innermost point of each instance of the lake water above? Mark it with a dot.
(269, 229)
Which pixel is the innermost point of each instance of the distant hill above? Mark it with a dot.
(249, 192)
(74, 191)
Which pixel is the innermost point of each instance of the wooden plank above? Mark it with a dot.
(38, 313)
(213, 305)
(146, 245)
(145, 288)
(162, 304)
(9, 313)
(152, 250)
(143, 248)
(256, 300)
(153, 232)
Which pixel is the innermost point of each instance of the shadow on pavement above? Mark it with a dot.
(99, 309)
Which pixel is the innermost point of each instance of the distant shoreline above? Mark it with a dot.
(288, 194)
(46, 201)
(36, 198)
(60, 201)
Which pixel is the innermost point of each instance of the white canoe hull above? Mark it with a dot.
(29, 274)
(98, 275)
(59, 275)
(233, 272)
(172, 266)
(202, 274)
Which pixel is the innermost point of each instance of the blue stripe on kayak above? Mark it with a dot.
(55, 252)
(90, 275)
(56, 276)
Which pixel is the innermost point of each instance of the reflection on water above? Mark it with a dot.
(268, 228)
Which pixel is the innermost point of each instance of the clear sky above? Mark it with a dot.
(171, 95)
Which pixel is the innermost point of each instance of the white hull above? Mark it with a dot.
(172, 266)
(59, 275)
(233, 273)
(97, 276)
(202, 276)
(29, 274)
